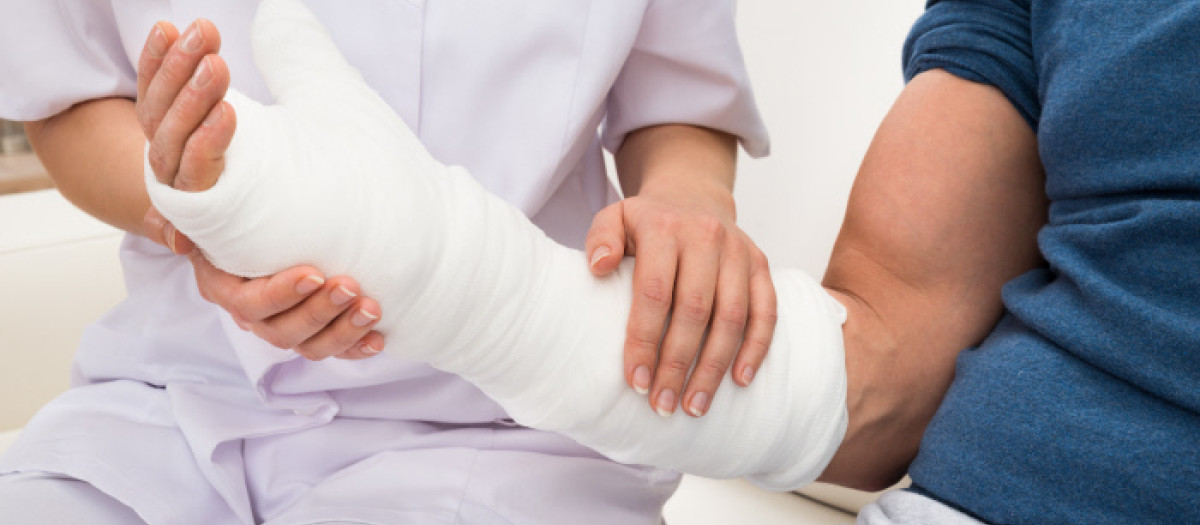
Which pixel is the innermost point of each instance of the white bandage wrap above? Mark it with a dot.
(332, 177)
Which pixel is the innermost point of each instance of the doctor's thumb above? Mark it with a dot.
(158, 229)
(605, 245)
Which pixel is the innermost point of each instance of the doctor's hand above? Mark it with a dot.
(696, 265)
(181, 83)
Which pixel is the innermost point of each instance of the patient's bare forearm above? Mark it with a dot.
(93, 151)
(945, 209)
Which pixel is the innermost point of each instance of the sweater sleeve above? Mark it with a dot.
(686, 67)
(59, 53)
(985, 41)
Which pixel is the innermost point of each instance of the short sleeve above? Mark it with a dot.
(686, 67)
(985, 41)
(58, 53)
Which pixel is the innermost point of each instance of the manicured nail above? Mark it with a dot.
(600, 253)
(169, 236)
(214, 116)
(363, 318)
(666, 403)
(203, 74)
(157, 46)
(341, 295)
(641, 380)
(309, 284)
(369, 350)
(699, 404)
(747, 375)
(192, 41)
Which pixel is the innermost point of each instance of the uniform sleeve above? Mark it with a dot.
(985, 41)
(58, 53)
(686, 67)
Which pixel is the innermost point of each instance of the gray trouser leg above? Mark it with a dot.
(900, 507)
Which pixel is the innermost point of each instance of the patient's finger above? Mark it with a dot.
(200, 39)
(197, 108)
(158, 42)
(204, 154)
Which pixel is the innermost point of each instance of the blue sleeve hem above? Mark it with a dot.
(984, 41)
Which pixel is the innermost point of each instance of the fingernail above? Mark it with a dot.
(600, 253)
(203, 74)
(192, 41)
(747, 374)
(214, 116)
(158, 43)
(699, 404)
(169, 236)
(341, 295)
(363, 318)
(641, 380)
(666, 403)
(369, 350)
(309, 284)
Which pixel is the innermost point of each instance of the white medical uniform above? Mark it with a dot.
(189, 420)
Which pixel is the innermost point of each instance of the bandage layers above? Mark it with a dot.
(333, 178)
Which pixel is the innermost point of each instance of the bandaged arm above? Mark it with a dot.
(469, 285)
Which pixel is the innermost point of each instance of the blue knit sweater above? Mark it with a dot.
(1083, 405)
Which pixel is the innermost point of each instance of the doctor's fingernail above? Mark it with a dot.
(369, 350)
(641, 380)
(666, 403)
(157, 46)
(747, 375)
(203, 74)
(699, 404)
(309, 284)
(169, 237)
(363, 318)
(599, 254)
(341, 295)
(192, 41)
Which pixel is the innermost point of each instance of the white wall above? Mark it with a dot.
(825, 73)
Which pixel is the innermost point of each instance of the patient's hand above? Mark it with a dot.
(181, 83)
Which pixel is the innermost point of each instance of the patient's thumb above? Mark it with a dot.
(297, 58)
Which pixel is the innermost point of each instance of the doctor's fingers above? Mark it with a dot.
(174, 71)
(346, 337)
(188, 148)
(369, 346)
(253, 300)
(730, 309)
(653, 286)
(764, 312)
(695, 288)
(291, 328)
